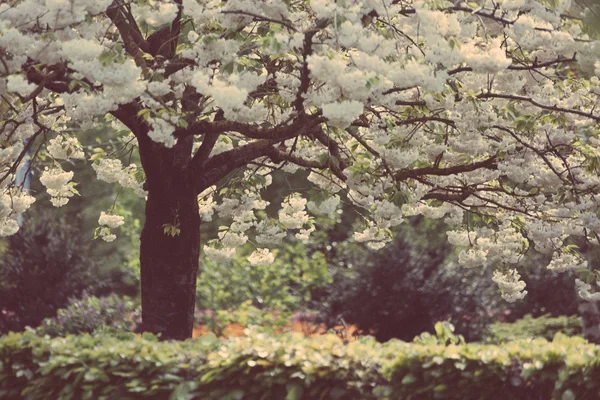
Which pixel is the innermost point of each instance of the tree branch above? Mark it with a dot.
(261, 18)
(278, 156)
(489, 163)
(127, 34)
(535, 103)
(533, 66)
(304, 72)
(250, 131)
(220, 165)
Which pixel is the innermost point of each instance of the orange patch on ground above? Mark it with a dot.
(307, 329)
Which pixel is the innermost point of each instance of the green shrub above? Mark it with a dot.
(254, 367)
(290, 366)
(566, 368)
(404, 288)
(45, 265)
(529, 327)
(285, 284)
(92, 313)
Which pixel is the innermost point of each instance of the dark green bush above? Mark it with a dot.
(529, 327)
(44, 266)
(290, 366)
(93, 313)
(404, 288)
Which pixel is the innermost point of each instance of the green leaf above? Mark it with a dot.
(294, 391)
(144, 114)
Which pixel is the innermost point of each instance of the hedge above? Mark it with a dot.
(528, 327)
(292, 367)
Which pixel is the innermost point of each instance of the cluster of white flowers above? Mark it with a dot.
(111, 170)
(342, 114)
(330, 184)
(232, 239)
(162, 131)
(58, 185)
(510, 285)
(269, 233)
(12, 202)
(566, 261)
(261, 257)
(292, 214)
(374, 236)
(64, 147)
(206, 203)
(584, 291)
(219, 255)
(18, 84)
(155, 13)
(108, 222)
(327, 207)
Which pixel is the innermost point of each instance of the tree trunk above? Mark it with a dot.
(169, 264)
(169, 259)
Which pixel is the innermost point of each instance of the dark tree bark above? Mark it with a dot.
(169, 262)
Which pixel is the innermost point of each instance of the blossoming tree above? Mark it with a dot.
(483, 113)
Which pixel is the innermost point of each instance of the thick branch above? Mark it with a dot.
(278, 156)
(304, 72)
(250, 131)
(220, 165)
(48, 81)
(208, 143)
(127, 34)
(177, 65)
(489, 163)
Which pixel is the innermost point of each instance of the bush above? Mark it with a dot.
(293, 367)
(529, 327)
(44, 266)
(403, 289)
(285, 284)
(93, 313)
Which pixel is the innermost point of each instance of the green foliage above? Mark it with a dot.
(293, 367)
(286, 284)
(529, 327)
(403, 289)
(46, 264)
(524, 369)
(93, 313)
(246, 315)
(444, 335)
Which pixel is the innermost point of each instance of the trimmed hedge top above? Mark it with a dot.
(291, 367)
(529, 327)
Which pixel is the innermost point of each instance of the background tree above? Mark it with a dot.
(45, 265)
(451, 111)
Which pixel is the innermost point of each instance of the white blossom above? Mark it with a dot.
(58, 185)
(510, 285)
(63, 147)
(261, 257)
(111, 220)
(219, 255)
